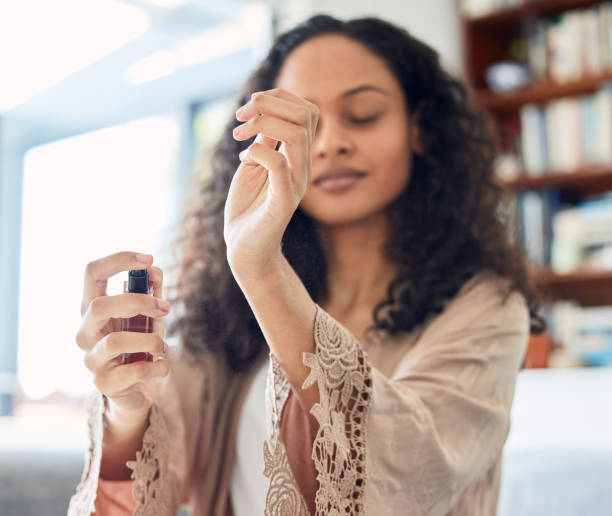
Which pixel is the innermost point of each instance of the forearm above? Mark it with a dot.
(122, 439)
(286, 314)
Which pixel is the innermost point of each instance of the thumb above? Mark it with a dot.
(266, 140)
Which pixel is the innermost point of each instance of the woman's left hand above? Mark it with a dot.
(269, 184)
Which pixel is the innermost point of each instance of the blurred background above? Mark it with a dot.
(108, 113)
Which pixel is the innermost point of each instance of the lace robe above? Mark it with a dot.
(408, 425)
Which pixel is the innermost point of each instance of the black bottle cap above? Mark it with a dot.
(138, 281)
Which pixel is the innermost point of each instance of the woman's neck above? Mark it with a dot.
(358, 273)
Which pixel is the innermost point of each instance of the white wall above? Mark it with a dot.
(436, 22)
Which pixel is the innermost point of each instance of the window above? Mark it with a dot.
(83, 198)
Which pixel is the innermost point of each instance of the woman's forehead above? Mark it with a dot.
(325, 80)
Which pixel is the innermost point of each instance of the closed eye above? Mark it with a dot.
(364, 120)
(355, 120)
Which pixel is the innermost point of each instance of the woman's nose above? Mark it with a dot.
(330, 140)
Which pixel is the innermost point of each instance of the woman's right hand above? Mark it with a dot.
(129, 388)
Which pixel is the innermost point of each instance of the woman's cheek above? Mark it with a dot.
(390, 148)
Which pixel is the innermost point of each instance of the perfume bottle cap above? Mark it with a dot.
(138, 281)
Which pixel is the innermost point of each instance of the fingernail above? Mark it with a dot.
(145, 258)
(242, 154)
(165, 347)
(162, 304)
(240, 111)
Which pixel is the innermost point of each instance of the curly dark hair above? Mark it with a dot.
(452, 193)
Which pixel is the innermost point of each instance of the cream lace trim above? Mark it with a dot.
(82, 503)
(283, 497)
(342, 372)
(149, 470)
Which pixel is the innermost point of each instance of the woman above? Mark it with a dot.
(363, 283)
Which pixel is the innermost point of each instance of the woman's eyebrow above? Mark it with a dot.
(357, 89)
(363, 87)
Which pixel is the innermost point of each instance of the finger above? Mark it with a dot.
(259, 154)
(282, 93)
(271, 105)
(103, 308)
(119, 380)
(276, 164)
(271, 143)
(295, 139)
(98, 271)
(157, 279)
(268, 142)
(291, 134)
(108, 350)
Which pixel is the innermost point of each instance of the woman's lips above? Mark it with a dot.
(338, 183)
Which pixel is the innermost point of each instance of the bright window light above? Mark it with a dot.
(84, 198)
(169, 4)
(226, 38)
(153, 67)
(42, 42)
(248, 30)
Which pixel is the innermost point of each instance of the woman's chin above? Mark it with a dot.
(341, 214)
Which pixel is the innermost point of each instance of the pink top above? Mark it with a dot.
(415, 424)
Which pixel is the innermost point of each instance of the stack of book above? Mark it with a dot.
(586, 332)
(571, 45)
(561, 237)
(582, 236)
(535, 213)
(566, 134)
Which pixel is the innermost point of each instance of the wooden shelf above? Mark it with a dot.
(488, 39)
(592, 179)
(540, 92)
(513, 15)
(588, 287)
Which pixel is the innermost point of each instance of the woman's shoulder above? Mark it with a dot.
(493, 291)
(486, 299)
(479, 312)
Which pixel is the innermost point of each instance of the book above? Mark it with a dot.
(565, 134)
(534, 142)
(602, 132)
(584, 331)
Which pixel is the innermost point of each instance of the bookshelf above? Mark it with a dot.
(510, 15)
(591, 179)
(588, 287)
(541, 91)
(504, 33)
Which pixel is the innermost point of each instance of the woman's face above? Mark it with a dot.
(348, 82)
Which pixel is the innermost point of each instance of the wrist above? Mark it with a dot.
(123, 423)
(261, 275)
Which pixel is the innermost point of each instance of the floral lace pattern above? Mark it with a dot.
(283, 497)
(342, 372)
(82, 502)
(149, 470)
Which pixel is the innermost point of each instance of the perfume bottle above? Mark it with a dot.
(138, 282)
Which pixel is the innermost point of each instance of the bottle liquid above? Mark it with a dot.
(138, 282)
